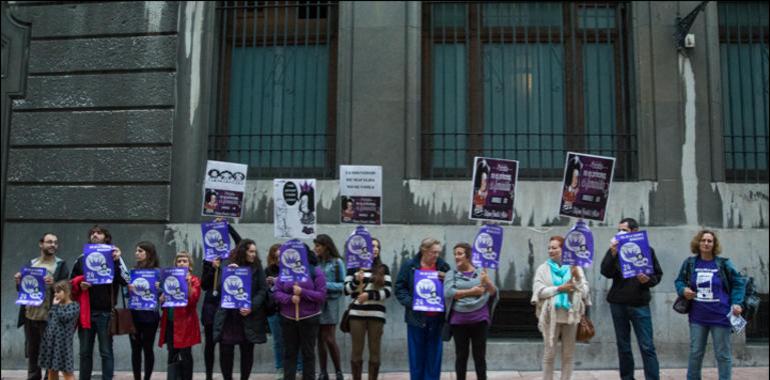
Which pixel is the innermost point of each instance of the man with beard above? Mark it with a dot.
(34, 318)
(101, 299)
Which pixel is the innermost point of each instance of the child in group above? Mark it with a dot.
(56, 353)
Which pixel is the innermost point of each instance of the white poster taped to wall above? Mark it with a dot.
(294, 214)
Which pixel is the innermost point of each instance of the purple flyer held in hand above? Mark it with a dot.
(634, 254)
(586, 186)
(293, 266)
(358, 249)
(236, 288)
(32, 287)
(428, 291)
(174, 286)
(486, 247)
(98, 266)
(216, 242)
(144, 296)
(578, 246)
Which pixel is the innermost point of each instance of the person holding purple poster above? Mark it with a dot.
(716, 290)
(96, 305)
(470, 298)
(629, 300)
(334, 269)
(243, 327)
(300, 305)
(369, 288)
(423, 328)
(179, 327)
(34, 318)
(560, 295)
(145, 321)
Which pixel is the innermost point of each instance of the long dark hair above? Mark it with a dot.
(238, 254)
(378, 268)
(327, 242)
(152, 255)
(98, 228)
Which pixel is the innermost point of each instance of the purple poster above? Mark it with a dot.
(361, 192)
(293, 266)
(216, 242)
(32, 287)
(586, 186)
(486, 247)
(174, 286)
(364, 210)
(358, 249)
(236, 288)
(98, 266)
(144, 295)
(494, 186)
(578, 246)
(428, 291)
(634, 254)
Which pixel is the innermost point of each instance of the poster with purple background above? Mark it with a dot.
(292, 263)
(144, 296)
(174, 287)
(634, 254)
(428, 291)
(486, 247)
(493, 190)
(361, 193)
(236, 288)
(216, 241)
(32, 287)
(358, 249)
(578, 246)
(98, 266)
(586, 186)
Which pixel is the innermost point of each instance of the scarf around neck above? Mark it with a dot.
(560, 274)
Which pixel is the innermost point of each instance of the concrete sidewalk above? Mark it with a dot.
(667, 374)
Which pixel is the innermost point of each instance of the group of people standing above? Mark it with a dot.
(303, 316)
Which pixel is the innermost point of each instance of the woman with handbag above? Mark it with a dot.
(368, 289)
(715, 289)
(180, 327)
(560, 295)
(470, 299)
(331, 264)
(145, 321)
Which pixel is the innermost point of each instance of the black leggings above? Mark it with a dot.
(208, 349)
(226, 352)
(184, 354)
(475, 335)
(142, 342)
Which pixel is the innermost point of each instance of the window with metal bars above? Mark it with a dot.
(527, 81)
(277, 87)
(743, 49)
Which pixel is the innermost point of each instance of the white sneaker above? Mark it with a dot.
(279, 374)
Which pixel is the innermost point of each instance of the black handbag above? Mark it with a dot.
(345, 321)
(682, 305)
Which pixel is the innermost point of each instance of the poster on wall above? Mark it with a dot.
(294, 214)
(361, 192)
(493, 190)
(223, 188)
(586, 186)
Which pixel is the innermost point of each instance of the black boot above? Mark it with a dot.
(323, 376)
(356, 368)
(374, 370)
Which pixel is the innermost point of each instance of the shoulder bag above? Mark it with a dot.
(121, 321)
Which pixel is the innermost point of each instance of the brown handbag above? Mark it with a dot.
(585, 329)
(345, 321)
(121, 321)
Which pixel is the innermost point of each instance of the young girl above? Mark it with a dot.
(56, 352)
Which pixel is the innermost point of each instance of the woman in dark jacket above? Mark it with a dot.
(246, 326)
(145, 321)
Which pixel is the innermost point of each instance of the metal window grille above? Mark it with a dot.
(277, 87)
(743, 48)
(526, 81)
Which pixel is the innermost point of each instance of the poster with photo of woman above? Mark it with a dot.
(586, 186)
(494, 186)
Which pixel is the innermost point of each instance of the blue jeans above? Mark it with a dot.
(100, 327)
(274, 321)
(425, 347)
(723, 350)
(623, 317)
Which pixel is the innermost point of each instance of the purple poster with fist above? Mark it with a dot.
(144, 295)
(358, 249)
(98, 266)
(634, 254)
(486, 247)
(578, 246)
(586, 186)
(32, 287)
(494, 186)
(174, 286)
(428, 291)
(292, 264)
(236, 288)
(216, 242)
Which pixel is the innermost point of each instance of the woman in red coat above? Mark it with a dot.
(180, 326)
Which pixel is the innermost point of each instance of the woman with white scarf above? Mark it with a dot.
(560, 296)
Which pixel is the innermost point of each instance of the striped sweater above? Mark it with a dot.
(375, 306)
